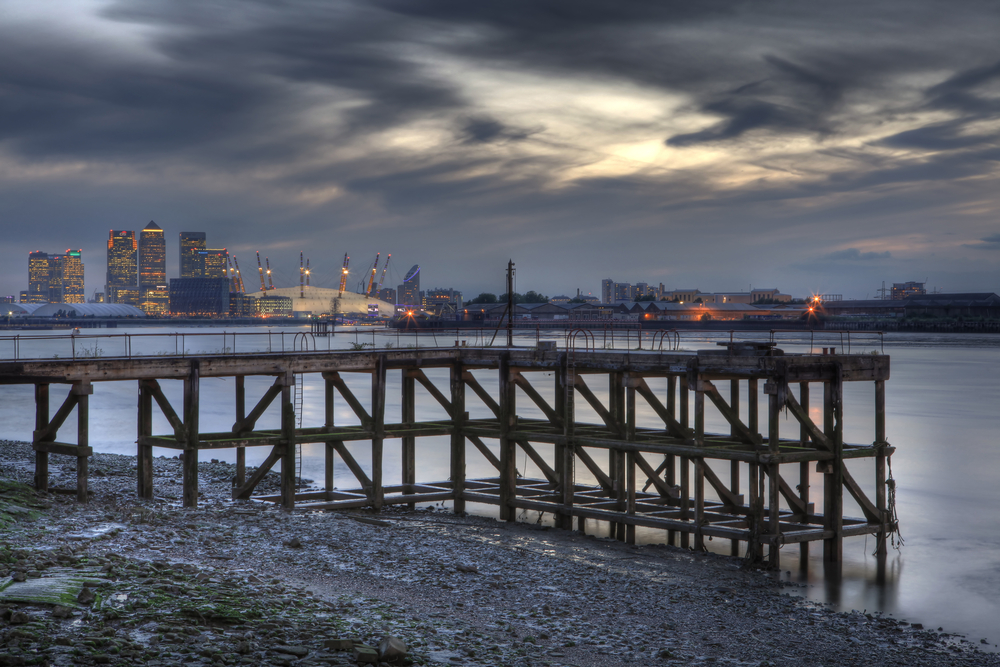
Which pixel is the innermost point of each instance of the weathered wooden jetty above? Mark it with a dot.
(740, 486)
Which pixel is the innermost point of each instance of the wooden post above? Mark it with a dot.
(83, 390)
(754, 478)
(616, 458)
(804, 472)
(776, 396)
(241, 414)
(41, 421)
(191, 434)
(508, 464)
(566, 452)
(630, 456)
(409, 443)
(833, 486)
(458, 436)
(734, 466)
(685, 472)
(670, 461)
(378, 431)
(880, 474)
(288, 440)
(699, 463)
(328, 423)
(144, 453)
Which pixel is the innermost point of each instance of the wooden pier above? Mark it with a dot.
(665, 477)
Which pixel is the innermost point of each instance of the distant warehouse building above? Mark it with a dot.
(199, 297)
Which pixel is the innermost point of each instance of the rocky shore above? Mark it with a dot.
(127, 582)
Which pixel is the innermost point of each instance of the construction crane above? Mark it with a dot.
(307, 272)
(381, 279)
(343, 275)
(263, 287)
(239, 276)
(371, 278)
(267, 263)
(234, 285)
(302, 276)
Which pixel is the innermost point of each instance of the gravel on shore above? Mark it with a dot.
(244, 583)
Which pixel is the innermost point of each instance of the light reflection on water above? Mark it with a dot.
(939, 410)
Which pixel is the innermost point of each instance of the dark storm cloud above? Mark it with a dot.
(991, 242)
(228, 87)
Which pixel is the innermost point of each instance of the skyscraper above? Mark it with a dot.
(55, 278)
(152, 257)
(409, 292)
(216, 263)
(192, 259)
(122, 267)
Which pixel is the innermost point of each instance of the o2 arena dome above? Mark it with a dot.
(308, 300)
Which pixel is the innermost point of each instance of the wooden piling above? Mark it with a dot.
(775, 395)
(241, 414)
(378, 431)
(458, 416)
(833, 485)
(191, 434)
(616, 457)
(408, 442)
(328, 425)
(734, 466)
(669, 460)
(144, 452)
(83, 390)
(804, 469)
(565, 452)
(685, 472)
(287, 443)
(880, 469)
(41, 422)
(508, 462)
(630, 383)
(699, 462)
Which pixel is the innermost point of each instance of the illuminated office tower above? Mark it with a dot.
(152, 256)
(38, 278)
(192, 254)
(216, 263)
(67, 271)
(122, 268)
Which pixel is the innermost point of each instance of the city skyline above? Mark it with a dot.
(809, 147)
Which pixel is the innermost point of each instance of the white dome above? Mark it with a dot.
(88, 310)
(318, 300)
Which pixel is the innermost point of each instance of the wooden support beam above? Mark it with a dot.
(176, 423)
(359, 410)
(288, 443)
(881, 505)
(51, 429)
(537, 399)
(420, 377)
(565, 460)
(726, 495)
(699, 463)
(734, 466)
(486, 452)
(602, 478)
(833, 482)
(654, 478)
(408, 444)
(41, 421)
(243, 492)
(353, 466)
(144, 452)
(803, 487)
(732, 415)
(458, 418)
(539, 461)
(595, 403)
(192, 384)
(776, 390)
(674, 427)
(378, 430)
(508, 419)
(241, 413)
(250, 421)
(483, 395)
(83, 390)
(685, 462)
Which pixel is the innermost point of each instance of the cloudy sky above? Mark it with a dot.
(813, 147)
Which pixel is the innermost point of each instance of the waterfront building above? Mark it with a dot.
(192, 257)
(387, 294)
(216, 263)
(152, 257)
(122, 286)
(911, 288)
(607, 290)
(55, 278)
(273, 305)
(199, 297)
(409, 291)
(155, 300)
(242, 305)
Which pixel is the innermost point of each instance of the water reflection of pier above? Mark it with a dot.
(657, 477)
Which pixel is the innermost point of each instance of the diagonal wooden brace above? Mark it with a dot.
(602, 477)
(419, 376)
(526, 387)
(483, 395)
(48, 434)
(359, 410)
(484, 450)
(584, 390)
(243, 492)
(247, 423)
(352, 464)
(180, 433)
(741, 429)
(664, 489)
(549, 473)
(673, 426)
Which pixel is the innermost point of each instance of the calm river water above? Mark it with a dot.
(941, 416)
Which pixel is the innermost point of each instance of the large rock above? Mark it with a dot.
(365, 654)
(391, 649)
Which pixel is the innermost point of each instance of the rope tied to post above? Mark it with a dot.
(895, 537)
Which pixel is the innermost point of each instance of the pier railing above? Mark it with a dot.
(72, 345)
